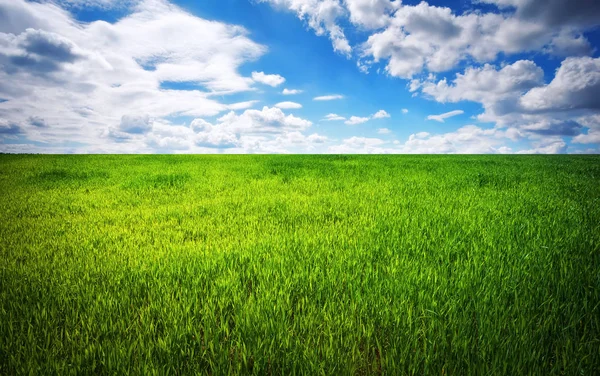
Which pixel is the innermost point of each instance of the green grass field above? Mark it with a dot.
(269, 265)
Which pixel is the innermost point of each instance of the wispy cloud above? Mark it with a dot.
(328, 97)
(333, 117)
(354, 120)
(442, 117)
(288, 105)
(242, 105)
(291, 91)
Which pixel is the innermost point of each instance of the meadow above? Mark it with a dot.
(288, 265)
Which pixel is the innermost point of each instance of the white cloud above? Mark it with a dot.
(591, 137)
(569, 43)
(267, 120)
(592, 122)
(135, 124)
(321, 16)
(105, 84)
(213, 136)
(576, 85)
(469, 139)
(288, 105)
(413, 38)
(515, 95)
(268, 79)
(291, 91)
(371, 14)
(444, 116)
(333, 117)
(102, 4)
(328, 97)
(580, 13)
(241, 105)
(38, 122)
(354, 120)
(434, 38)
(381, 114)
(8, 129)
(384, 131)
(82, 78)
(554, 145)
(317, 138)
(254, 131)
(299, 141)
(359, 145)
(405, 111)
(486, 84)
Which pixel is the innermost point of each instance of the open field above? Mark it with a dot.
(437, 265)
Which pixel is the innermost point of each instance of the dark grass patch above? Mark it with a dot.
(173, 181)
(62, 176)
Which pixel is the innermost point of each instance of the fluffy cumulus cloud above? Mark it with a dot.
(213, 136)
(268, 130)
(110, 87)
(409, 39)
(267, 120)
(469, 139)
(515, 97)
(569, 43)
(94, 82)
(321, 16)
(426, 37)
(37, 51)
(554, 145)
(554, 12)
(371, 14)
(485, 84)
(141, 84)
(359, 145)
(354, 120)
(593, 130)
(135, 124)
(576, 85)
(268, 79)
(381, 114)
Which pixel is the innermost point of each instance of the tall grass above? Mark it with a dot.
(263, 265)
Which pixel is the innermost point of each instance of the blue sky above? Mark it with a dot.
(360, 76)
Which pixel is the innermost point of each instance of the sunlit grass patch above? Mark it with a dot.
(398, 265)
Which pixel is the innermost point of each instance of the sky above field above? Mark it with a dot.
(300, 76)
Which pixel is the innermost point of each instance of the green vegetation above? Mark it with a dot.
(437, 265)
